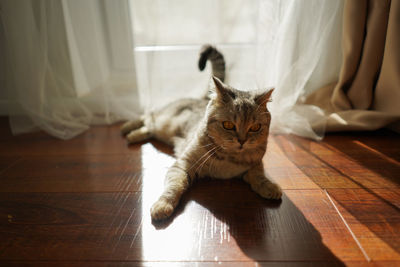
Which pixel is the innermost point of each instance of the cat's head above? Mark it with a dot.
(237, 120)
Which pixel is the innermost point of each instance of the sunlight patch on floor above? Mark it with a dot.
(193, 231)
(155, 165)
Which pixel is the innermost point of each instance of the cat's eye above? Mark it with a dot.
(228, 125)
(255, 127)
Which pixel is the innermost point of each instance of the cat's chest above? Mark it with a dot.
(223, 167)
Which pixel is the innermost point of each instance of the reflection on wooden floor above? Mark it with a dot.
(85, 202)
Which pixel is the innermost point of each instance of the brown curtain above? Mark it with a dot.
(367, 94)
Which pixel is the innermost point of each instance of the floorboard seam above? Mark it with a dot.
(348, 228)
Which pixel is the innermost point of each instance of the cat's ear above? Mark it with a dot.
(263, 98)
(223, 92)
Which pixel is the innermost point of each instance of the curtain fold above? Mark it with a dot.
(367, 93)
(62, 75)
(298, 51)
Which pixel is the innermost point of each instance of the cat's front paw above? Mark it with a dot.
(270, 190)
(161, 209)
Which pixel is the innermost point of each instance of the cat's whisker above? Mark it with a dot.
(207, 145)
(223, 146)
(204, 161)
(204, 155)
(209, 166)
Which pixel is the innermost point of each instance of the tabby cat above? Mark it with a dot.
(223, 135)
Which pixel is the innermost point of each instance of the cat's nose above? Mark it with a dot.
(241, 141)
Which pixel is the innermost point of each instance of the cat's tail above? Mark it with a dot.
(209, 52)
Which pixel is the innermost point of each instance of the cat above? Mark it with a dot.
(223, 135)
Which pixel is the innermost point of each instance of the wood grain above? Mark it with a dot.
(282, 170)
(79, 173)
(374, 218)
(333, 167)
(217, 225)
(6, 162)
(100, 140)
(86, 201)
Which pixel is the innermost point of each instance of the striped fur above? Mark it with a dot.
(203, 146)
(217, 60)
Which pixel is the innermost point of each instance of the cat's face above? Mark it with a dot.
(238, 121)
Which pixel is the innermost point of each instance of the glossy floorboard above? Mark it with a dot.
(85, 202)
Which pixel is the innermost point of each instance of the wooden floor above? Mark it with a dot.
(85, 202)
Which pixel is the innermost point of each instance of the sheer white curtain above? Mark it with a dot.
(292, 45)
(69, 64)
(168, 37)
(298, 51)
(72, 63)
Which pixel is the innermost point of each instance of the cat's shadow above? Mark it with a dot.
(263, 229)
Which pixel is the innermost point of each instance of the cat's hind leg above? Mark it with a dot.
(138, 135)
(129, 126)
